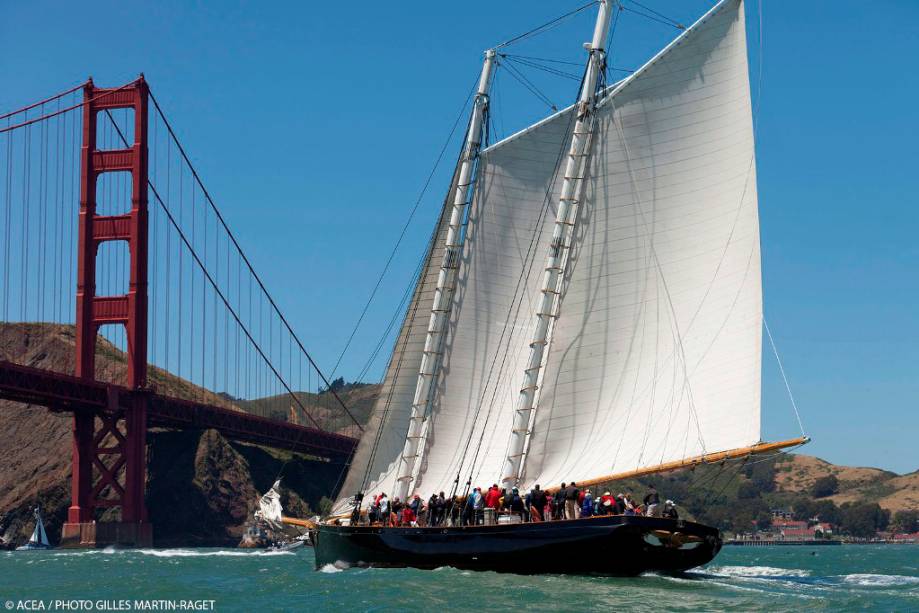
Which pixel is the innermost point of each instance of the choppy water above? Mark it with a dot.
(740, 579)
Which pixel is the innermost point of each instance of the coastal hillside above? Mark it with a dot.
(893, 492)
(201, 487)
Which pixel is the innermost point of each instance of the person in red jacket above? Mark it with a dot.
(408, 516)
(492, 497)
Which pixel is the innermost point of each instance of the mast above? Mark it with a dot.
(446, 284)
(561, 236)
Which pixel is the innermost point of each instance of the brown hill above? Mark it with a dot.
(798, 473)
(200, 486)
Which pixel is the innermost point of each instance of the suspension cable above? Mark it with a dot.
(242, 254)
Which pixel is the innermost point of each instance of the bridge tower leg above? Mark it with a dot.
(109, 447)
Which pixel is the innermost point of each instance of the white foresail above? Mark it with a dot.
(655, 355)
(510, 224)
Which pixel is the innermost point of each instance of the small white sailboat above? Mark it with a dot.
(39, 539)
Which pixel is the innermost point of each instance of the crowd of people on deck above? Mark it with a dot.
(565, 503)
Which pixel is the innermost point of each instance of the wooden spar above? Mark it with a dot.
(293, 521)
(708, 458)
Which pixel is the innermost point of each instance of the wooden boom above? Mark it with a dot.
(708, 458)
(294, 521)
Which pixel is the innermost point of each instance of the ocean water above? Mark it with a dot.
(845, 578)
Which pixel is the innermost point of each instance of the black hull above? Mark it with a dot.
(606, 545)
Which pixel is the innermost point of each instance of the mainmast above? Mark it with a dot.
(446, 284)
(565, 218)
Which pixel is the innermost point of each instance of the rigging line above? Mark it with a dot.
(544, 27)
(514, 56)
(519, 76)
(392, 322)
(552, 71)
(239, 249)
(43, 102)
(408, 323)
(541, 59)
(405, 227)
(653, 18)
(217, 290)
(673, 22)
(784, 378)
(409, 320)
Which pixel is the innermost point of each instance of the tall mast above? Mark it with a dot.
(446, 284)
(565, 218)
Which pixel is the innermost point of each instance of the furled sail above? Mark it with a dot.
(269, 505)
(655, 355)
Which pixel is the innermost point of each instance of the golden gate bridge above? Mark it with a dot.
(112, 242)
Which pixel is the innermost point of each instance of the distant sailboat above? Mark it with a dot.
(632, 348)
(39, 539)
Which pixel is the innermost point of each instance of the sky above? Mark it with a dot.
(315, 126)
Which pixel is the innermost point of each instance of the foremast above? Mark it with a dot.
(572, 188)
(446, 284)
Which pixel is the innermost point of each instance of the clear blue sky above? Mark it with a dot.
(314, 125)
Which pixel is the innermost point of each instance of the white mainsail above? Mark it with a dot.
(655, 354)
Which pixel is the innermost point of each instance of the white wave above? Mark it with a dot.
(871, 580)
(329, 569)
(189, 553)
(756, 571)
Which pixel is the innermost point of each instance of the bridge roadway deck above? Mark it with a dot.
(60, 392)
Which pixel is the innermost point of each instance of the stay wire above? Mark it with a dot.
(661, 17)
(784, 377)
(521, 78)
(544, 27)
(405, 226)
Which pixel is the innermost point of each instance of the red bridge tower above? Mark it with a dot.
(109, 447)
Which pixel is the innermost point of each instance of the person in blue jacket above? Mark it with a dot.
(587, 506)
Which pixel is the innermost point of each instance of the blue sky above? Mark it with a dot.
(314, 125)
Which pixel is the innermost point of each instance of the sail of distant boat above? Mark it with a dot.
(650, 358)
(269, 506)
(39, 538)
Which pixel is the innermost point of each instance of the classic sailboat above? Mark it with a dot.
(632, 348)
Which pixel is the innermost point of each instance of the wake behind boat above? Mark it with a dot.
(633, 347)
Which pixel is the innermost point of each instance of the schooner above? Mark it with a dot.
(590, 309)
